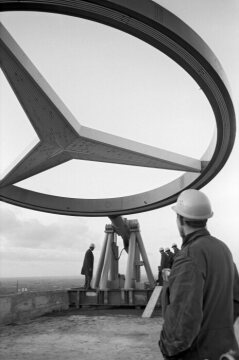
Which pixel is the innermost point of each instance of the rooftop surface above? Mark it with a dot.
(84, 334)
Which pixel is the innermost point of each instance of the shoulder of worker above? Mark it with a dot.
(200, 246)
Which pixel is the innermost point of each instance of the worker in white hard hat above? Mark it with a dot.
(163, 265)
(170, 257)
(163, 258)
(175, 248)
(88, 266)
(203, 288)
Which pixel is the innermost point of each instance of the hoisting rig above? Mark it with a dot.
(110, 287)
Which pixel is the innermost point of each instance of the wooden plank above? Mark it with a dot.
(152, 302)
(236, 329)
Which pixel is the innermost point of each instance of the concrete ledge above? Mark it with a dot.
(28, 305)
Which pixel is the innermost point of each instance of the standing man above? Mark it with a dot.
(175, 249)
(163, 261)
(170, 258)
(202, 288)
(163, 264)
(88, 265)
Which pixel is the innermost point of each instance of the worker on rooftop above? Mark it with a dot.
(175, 248)
(170, 256)
(88, 265)
(202, 299)
(163, 265)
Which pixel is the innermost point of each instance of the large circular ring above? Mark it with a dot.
(155, 25)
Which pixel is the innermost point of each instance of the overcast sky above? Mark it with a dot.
(115, 83)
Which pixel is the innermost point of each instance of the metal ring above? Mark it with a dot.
(155, 25)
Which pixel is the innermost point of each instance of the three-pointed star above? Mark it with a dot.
(61, 137)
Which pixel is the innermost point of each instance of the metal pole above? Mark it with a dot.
(116, 262)
(101, 261)
(113, 273)
(130, 262)
(145, 258)
(107, 261)
(137, 262)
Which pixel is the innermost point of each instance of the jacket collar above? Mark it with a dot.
(194, 235)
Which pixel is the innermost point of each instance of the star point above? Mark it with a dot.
(62, 137)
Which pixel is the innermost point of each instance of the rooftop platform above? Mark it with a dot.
(84, 334)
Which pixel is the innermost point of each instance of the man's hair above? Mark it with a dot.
(193, 223)
(196, 223)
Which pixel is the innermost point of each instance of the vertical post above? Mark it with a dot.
(101, 261)
(130, 262)
(145, 259)
(106, 297)
(131, 297)
(123, 296)
(113, 273)
(116, 263)
(107, 261)
(137, 262)
(77, 299)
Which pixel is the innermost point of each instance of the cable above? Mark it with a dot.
(115, 257)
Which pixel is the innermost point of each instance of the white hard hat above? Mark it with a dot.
(161, 249)
(167, 249)
(193, 205)
(92, 245)
(174, 245)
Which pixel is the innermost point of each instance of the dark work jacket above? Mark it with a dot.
(87, 268)
(164, 260)
(198, 318)
(176, 251)
(170, 258)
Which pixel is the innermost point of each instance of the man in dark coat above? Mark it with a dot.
(163, 261)
(163, 264)
(203, 289)
(88, 265)
(175, 249)
(170, 256)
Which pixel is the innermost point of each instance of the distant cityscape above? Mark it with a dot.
(17, 285)
(25, 284)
